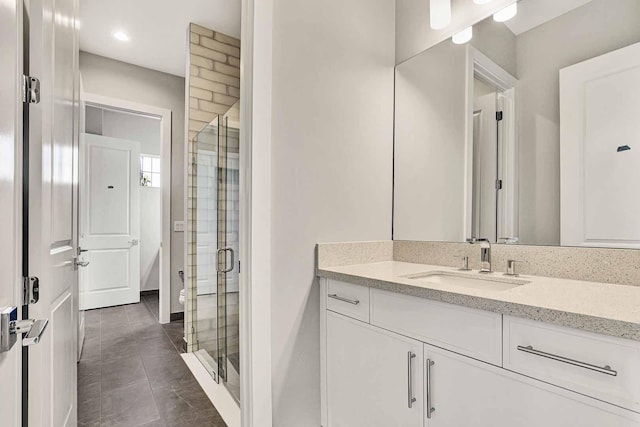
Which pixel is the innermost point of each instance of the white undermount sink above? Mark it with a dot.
(484, 281)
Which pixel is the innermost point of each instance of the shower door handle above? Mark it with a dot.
(233, 261)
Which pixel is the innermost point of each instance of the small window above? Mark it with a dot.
(149, 171)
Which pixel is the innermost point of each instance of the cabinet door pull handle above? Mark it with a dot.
(602, 369)
(343, 299)
(430, 408)
(411, 399)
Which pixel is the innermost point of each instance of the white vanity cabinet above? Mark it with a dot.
(373, 377)
(383, 370)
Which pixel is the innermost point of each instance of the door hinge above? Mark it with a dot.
(30, 90)
(30, 290)
(498, 115)
(498, 184)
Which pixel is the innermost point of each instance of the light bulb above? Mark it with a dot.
(121, 35)
(506, 13)
(463, 36)
(439, 13)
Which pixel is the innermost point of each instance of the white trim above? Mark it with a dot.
(217, 393)
(255, 213)
(164, 115)
(12, 186)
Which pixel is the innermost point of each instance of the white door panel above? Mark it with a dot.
(110, 221)
(108, 196)
(63, 350)
(52, 215)
(599, 110)
(612, 108)
(10, 197)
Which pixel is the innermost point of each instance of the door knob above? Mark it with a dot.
(77, 263)
(81, 263)
(33, 328)
(134, 242)
(10, 327)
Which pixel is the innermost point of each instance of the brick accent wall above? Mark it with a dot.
(214, 76)
(213, 86)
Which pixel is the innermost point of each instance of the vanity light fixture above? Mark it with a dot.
(439, 13)
(463, 36)
(121, 36)
(506, 13)
(481, 1)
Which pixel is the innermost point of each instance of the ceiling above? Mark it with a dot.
(157, 28)
(533, 13)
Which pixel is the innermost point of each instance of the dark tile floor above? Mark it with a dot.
(131, 373)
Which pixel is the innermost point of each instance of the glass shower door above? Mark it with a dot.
(228, 213)
(203, 227)
(213, 243)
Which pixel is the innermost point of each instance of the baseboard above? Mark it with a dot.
(217, 393)
(177, 316)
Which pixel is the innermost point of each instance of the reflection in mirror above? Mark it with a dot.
(527, 133)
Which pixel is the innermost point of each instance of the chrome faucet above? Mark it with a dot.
(485, 253)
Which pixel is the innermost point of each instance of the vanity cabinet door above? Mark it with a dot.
(371, 376)
(466, 392)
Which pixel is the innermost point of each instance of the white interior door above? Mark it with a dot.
(600, 150)
(52, 220)
(110, 221)
(10, 195)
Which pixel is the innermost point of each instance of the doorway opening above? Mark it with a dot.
(124, 203)
(491, 146)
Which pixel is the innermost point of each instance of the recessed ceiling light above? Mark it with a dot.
(121, 35)
(481, 1)
(506, 13)
(463, 36)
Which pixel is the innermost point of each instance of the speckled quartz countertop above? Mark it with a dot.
(596, 307)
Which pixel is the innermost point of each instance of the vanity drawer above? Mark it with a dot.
(599, 366)
(467, 331)
(350, 300)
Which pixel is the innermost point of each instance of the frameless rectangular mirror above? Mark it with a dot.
(528, 133)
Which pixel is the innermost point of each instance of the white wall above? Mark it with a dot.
(414, 34)
(430, 142)
(116, 79)
(332, 133)
(150, 237)
(146, 130)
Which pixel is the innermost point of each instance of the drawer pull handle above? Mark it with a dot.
(339, 298)
(430, 408)
(411, 399)
(602, 369)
